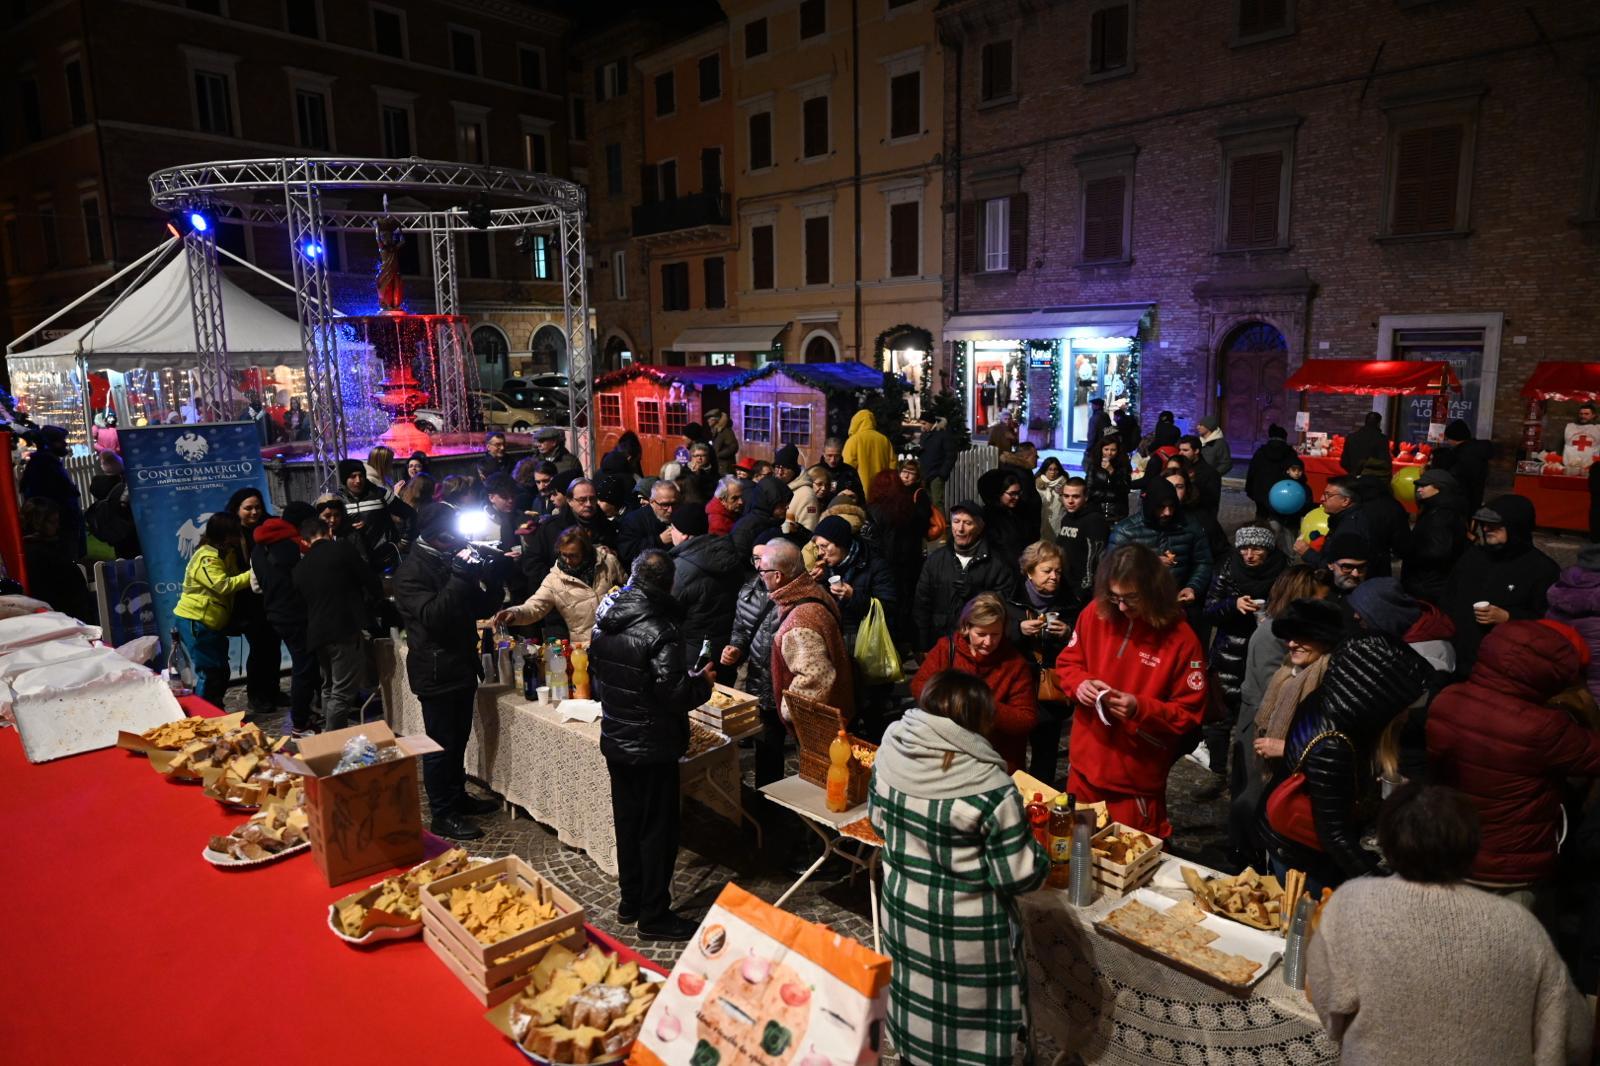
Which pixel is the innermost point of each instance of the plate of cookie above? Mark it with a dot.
(1187, 938)
(585, 1007)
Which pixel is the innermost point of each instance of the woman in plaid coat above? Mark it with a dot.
(957, 849)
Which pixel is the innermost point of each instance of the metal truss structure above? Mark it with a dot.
(247, 190)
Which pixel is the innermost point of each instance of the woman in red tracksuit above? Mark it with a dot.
(1139, 678)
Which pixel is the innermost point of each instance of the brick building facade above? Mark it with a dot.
(1261, 183)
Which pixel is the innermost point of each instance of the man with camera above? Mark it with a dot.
(441, 589)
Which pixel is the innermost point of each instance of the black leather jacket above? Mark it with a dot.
(1371, 679)
(641, 679)
(755, 624)
(1109, 491)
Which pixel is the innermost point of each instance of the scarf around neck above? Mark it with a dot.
(1285, 692)
(583, 573)
(930, 757)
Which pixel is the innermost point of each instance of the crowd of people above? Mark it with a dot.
(1093, 628)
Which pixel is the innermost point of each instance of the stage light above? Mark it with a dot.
(311, 249)
(198, 222)
(479, 215)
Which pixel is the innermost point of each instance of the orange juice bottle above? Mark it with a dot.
(1060, 841)
(580, 672)
(839, 773)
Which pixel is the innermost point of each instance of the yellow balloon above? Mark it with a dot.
(1314, 525)
(1404, 483)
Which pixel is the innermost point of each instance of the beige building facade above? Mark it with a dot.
(836, 136)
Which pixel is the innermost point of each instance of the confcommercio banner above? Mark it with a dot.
(179, 476)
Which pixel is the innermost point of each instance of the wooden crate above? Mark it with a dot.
(1122, 878)
(816, 726)
(484, 968)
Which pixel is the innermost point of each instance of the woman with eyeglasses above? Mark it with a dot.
(1137, 676)
(1004, 521)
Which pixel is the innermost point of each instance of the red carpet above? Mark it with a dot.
(122, 945)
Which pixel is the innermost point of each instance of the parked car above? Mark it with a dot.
(519, 390)
(500, 411)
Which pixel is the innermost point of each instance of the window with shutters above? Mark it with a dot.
(464, 45)
(1428, 179)
(997, 73)
(762, 264)
(311, 119)
(755, 38)
(761, 140)
(1102, 218)
(710, 71)
(389, 31)
(813, 18)
(997, 234)
(666, 183)
(619, 275)
(711, 170)
(611, 80)
(610, 405)
(647, 413)
(77, 103)
(303, 18)
(757, 422)
(1253, 201)
(614, 169)
(666, 94)
(814, 127)
(1254, 184)
(1261, 20)
(1111, 40)
(716, 282)
(530, 65)
(993, 234)
(905, 239)
(674, 286)
(395, 126)
(818, 232)
(535, 151)
(94, 238)
(905, 105)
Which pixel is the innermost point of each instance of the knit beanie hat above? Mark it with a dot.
(1457, 429)
(774, 492)
(1207, 422)
(690, 519)
(350, 466)
(1347, 546)
(614, 489)
(1385, 606)
(835, 530)
(1254, 537)
(788, 456)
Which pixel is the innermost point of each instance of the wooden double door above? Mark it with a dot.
(1254, 364)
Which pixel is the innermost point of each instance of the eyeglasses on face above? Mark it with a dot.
(767, 570)
(1350, 568)
(583, 499)
(1123, 598)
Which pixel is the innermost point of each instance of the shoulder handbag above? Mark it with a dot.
(1049, 685)
(1289, 807)
(938, 525)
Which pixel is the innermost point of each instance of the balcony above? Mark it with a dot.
(683, 218)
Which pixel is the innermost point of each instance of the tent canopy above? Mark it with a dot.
(1047, 324)
(1373, 377)
(1564, 381)
(739, 338)
(152, 328)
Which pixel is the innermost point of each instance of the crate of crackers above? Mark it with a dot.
(1124, 858)
(493, 923)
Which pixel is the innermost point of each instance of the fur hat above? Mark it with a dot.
(690, 519)
(1315, 620)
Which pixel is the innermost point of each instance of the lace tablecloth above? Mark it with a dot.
(1098, 999)
(550, 768)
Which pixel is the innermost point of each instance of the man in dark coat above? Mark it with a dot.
(43, 475)
(1099, 422)
(375, 514)
(647, 526)
(582, 510)
(764, 510)
(1161, 525)
(645, 691)
(274, 558)
(755, 623)
(1438, 538)
(1127, 428)
(844, 475)
(1366, 451)
(441, 591)
(494, 459)
(1466, 457)
(1501, 570)
(1082, 539)
(1207, 486)
(1165, 433)
(1366, 508)
(707, 576)
(337, 591)
(1268, 466)
(552, 444)
(1214, 450)
(956, 572)
(938, 457)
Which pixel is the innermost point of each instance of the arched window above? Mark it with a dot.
(820, 349)
(492, 349)
(549, 347)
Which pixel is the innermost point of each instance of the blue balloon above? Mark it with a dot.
(1287, 496)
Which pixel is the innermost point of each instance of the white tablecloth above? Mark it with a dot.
(550, 768)
(1110, 1004)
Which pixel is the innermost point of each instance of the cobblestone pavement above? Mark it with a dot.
(715, 852)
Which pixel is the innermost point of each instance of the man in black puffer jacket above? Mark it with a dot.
(275, 554)
(955, 573)
(441, 592)
(1502, 569)
(1438, 538)
(1371, 678)
(707, 578)
(646, 693)
(1268, 466)
(1182, 544)
(755, 622)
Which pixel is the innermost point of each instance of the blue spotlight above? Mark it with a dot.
(198, 222)
(311, 249)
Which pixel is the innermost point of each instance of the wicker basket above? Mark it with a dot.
(815, 726)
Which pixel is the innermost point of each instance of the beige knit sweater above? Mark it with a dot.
(1410, 974)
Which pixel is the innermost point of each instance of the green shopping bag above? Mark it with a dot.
(875, 654)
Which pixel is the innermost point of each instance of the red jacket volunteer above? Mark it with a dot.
(1124, 763)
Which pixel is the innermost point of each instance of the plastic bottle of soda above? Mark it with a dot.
(1039, 820)
(580, 672)
(839, 773)
(1060, 841)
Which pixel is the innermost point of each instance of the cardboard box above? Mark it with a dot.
(363, 820)
(485, 968)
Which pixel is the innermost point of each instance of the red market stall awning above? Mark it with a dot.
(1564, 381)
(1373, 377)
